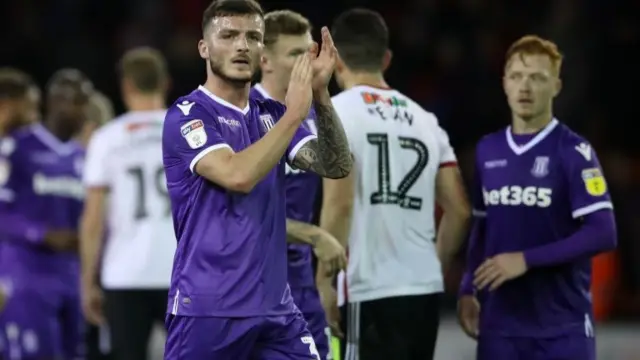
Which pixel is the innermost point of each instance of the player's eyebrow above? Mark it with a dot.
(297, 51)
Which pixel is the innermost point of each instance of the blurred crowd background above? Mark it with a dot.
(448, 55)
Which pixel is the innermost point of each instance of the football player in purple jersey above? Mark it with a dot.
(41, 201)
(224, 158)
(542, 211)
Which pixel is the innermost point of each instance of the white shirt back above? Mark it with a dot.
(398, 149)
(125, 156)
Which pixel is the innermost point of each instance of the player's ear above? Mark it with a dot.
(265, 64)
(386, 59)
(126, 86)
(203, 49)
(558, 87)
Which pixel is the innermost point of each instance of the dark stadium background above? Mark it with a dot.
(448, 55)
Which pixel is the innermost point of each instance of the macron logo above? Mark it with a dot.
(585, 150)
(185, 107)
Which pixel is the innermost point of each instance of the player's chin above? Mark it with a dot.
(240, 75)
(524, 114)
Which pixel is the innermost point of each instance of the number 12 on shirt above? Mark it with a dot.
(385, 194)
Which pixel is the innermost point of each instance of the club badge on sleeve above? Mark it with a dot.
(594, 182)
(194, 133)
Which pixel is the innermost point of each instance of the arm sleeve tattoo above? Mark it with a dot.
(329, 156)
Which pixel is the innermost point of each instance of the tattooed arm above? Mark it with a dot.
(329, 155)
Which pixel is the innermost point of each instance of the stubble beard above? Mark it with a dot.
(217, 69)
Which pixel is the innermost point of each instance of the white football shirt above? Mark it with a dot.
(398, 148)
(125, 155)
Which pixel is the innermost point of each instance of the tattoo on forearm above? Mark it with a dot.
(329, 156)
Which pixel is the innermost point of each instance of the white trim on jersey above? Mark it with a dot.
(222, 101)
(519, 150)
(204, 152)
(586, 210)
(299, 145)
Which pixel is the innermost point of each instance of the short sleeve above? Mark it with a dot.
(300, 138)
(588, 191)
(190, 133)
(96, 170)
(447, 154)
(477, 196)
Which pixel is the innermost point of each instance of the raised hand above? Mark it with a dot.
(299, 93)
(325, 62)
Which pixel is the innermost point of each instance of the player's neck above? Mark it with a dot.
(375, 80)
(275, 92)
(145, 102)
(59, 130)
(531, 126)
(235, 93)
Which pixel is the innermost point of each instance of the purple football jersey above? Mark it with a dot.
(231, 254)
(301, 191)
(531, 195)
(40, 189)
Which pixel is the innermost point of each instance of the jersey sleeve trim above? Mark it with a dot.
(586, 210)
(448, 164)
(299, 145)
(204, 152)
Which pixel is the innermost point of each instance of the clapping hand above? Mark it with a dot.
(323, 63)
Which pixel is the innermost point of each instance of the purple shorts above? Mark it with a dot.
(256, 338)
(41, 320)
(308, 301)
(569, 347)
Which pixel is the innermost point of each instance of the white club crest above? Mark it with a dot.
(267, 121)
(540, 166)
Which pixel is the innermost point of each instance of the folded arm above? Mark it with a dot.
(299, 232)
(597, 234)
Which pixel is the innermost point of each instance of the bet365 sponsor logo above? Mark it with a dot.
(518, 196)
(64, 186)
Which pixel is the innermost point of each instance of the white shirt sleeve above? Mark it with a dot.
(96, 163)
(447, 154)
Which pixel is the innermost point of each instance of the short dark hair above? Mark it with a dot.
(362, 38)
(14, 84)
(220, 8)
(284, 22)
(146, 68)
